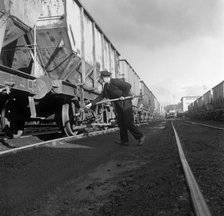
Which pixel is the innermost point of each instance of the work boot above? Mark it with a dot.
(141, 141)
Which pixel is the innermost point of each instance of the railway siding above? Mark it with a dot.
(200, 205)
(24, 143)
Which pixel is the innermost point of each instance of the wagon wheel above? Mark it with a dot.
(69, 119)
(11, 121)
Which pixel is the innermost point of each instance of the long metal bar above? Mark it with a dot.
(117, 99)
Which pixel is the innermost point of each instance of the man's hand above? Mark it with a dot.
(88, 105)
(121, 98)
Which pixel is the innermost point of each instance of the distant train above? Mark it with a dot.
(52, 53)
(210, 105)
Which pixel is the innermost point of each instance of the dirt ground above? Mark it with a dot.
(96, 177)
(136, 181)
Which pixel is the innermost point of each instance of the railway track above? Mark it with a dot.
(198, 200)
(204, 157)
(207, 125)
(52, 137)
(45, 135)
(33, 129)
(30, 136)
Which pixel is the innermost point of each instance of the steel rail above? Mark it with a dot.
(54, 141)
(38, 133)
(200, 206)
(34, 132)
(205, 125)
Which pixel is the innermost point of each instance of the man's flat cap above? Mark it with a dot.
(105, 74)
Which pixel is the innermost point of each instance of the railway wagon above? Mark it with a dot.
(208, 97)
(147, 103)
(210, 105)
(16, 19)
(146, 106)
(218, 101)
(82, 51)
(201, 107)
(157, 108)
(128, 74)
(49, 73)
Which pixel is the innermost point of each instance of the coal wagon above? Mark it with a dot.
(50, 65)
(210, 105)
(149, 106)
(146, 106)
(128, 74)
(17, 18)
(218, 101)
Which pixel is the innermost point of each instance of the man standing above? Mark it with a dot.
(116, 88)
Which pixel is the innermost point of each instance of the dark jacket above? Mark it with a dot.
(115, 89)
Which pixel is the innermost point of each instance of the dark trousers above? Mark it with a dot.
(125, 120)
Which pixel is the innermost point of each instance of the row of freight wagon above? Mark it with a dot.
(52, 52)
(210, 105)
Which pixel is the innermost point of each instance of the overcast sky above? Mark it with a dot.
(176, 46)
